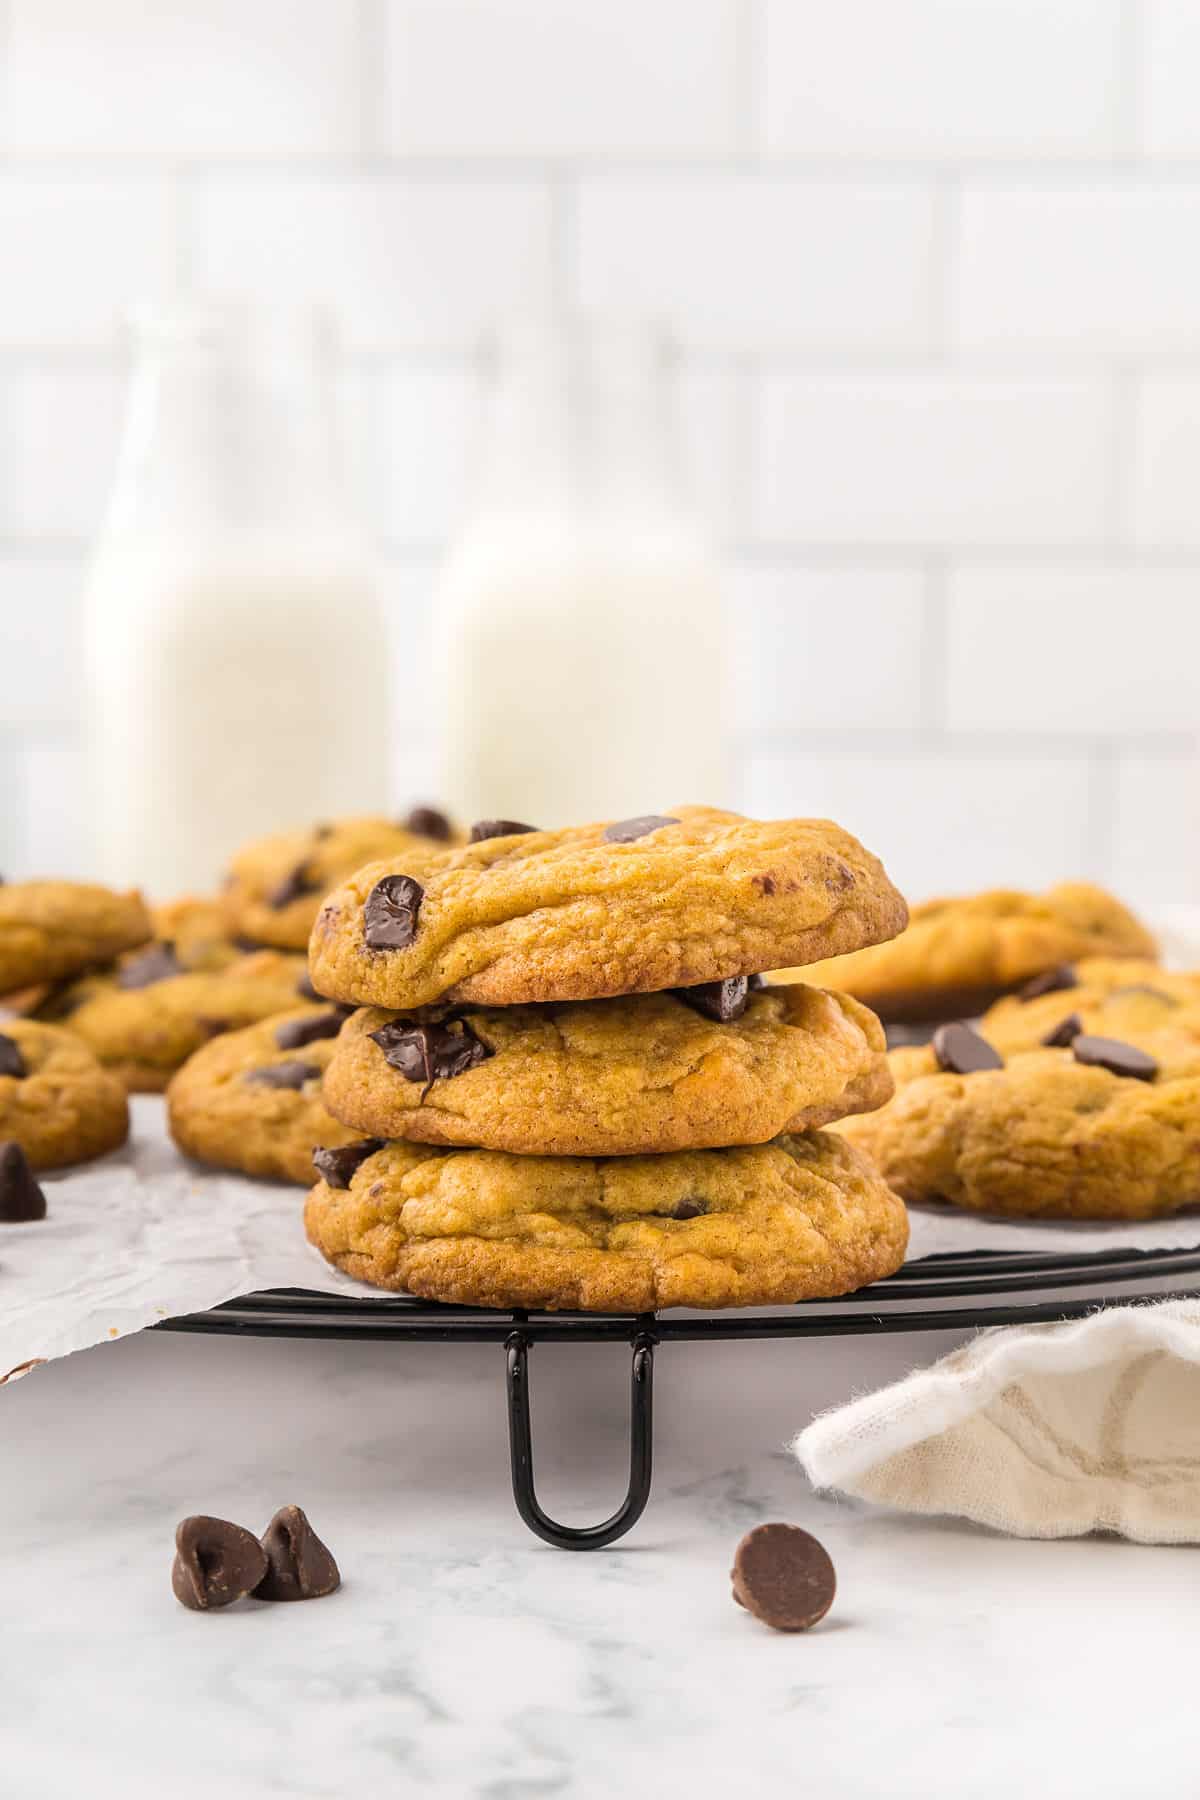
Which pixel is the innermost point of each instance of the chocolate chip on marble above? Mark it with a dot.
(338, 1165)
(1064, 1033)
(283, 1075)
(1050, 981)
(299, 1566)
(961, 1051)
(627, 831)
(483, 829)
(11, 1060)
(21, 1199)
(390, 914)
(1116, 1056)
(216, 1563)
(430, 1053)
(784, 1576)
(294, 1033)
(158, 963)
(688, 1209)
(723, 1001)
(427, 821)
(295, 884)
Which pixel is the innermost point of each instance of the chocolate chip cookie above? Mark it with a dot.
(800, 1217)
(958, 956)
(635, 906)
(694, 1069)
(252, 1099)
(276, 884)
(1111, 996)
(52, 929)
(56, 1101)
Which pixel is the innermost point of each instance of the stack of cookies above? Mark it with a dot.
(568, 1086)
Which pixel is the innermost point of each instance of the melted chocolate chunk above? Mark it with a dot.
(299, 1567)
(429, 1053)
(11, 1060)
(688, 1209)
(158, 963)
(337, 1167)
(294, 1033)
(294, 886)
(21, 1199)
(1064, 1033)
(483, 829)
(283, 1075)
(961, 1051)
(216, 1563)
(784, 1576)
(723, 1001)
(428, 822)
(1051, 981)
(390, 915)
(627, 831)
(1116, 1056)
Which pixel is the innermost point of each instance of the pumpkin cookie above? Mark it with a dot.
(630, 907)
(276, 884)
(802, 1217)
(252, 1100)
(56, 1101)
(689, 1070)
(958, 956)
(52, 929)
(1110, 996)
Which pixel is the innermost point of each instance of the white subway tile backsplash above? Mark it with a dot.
(940, 78)
(1092, 651)
(1097, 266)
(1156, 830)
(711, 418)
(424, 261)
(1164, 496)
(561, 77)
(63, 421)
(428, 426)
(932, 460)
(760, 262)
(50, 834)
(208, 76)
(40, 668)
(826, 649)
(1170, 58)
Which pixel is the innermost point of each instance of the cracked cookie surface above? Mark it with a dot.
(52, 929)
(639, 1074)
(584, 913)
(55, 1099)
(800, 1217)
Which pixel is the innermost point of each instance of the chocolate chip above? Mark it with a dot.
(283, 1075)
(294, 886)
(1117, 1057)
(337, 1167)
(305, 988)
(299, 1567)
(1051, 981)
(1064, 1033)
(21, 1199)
(688, 1209)
(322, 831)
(483, 829)
(294, 1033)
(390, 915)
(720, 1000)
(11, 1060)
(784, 1577)
(429, 1053)
(428, 822)
(627, 831)
(961, 1051)
(757, 983)
(216, 1563)
(158, 963)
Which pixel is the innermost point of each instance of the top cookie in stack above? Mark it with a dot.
(577, 1013)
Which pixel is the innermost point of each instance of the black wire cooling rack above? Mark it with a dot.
(939, 1293)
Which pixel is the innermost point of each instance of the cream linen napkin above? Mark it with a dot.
(1039, 1430)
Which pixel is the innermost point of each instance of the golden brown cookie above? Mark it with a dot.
(630, 1076)
(252, 1099)
(626, 908)
(276, 884)
(1117, 997)
(957, 956)
(55, 1099)
(196, 930)
(144, 1032)
(1077, 1131)
(52, 929)
(801, 1217)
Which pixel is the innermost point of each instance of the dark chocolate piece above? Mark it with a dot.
(390, 914)
(158, 963)
(627, 831)
(688, 1209)
(216, 1563)
(1116, 1056)
(961, 1051)
(338, 1166)
(483, 829)
(305, 988)
(723, 1001)
(21, 1199)
(298, 882)
(294, 1033)
(11, 1060)
(299, 1567)
(283, 1075)
(428, 822)
(429, 1053)
(757, 983)
(1050, 981)
(784, 1577)
(1064, 1033)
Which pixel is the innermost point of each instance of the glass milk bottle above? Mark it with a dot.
(235, 649)
(578, 619)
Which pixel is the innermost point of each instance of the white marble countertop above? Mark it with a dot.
(461, 1656)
